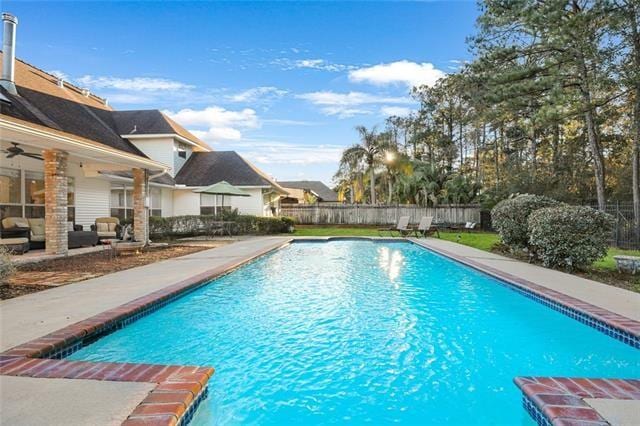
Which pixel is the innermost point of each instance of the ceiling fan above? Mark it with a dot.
(15, 150)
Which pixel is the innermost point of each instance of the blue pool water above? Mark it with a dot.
(357, 331)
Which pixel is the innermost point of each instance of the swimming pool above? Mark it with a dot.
(364, 331)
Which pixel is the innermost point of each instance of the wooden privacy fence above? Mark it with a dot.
(362, 214)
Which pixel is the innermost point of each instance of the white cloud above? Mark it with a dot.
(344, 105)
(285, 153)
(400, 72)
(216, 116)
(220, 123)
(257, 94)
(395, 111)
(215, 134)
(133, 84)
(315, 64)
(59, 74)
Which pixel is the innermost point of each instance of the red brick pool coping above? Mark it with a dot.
(178, 388)
(560, 400)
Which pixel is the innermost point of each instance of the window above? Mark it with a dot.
(182, 153)
(10, 192)
(156, 201)
(209, 205)
(71, 200)
(122, 202)
(34, 188)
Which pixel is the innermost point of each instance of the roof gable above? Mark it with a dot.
(317, 187)
(207, 168)
(151, 122)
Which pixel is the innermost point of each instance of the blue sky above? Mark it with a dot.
(282, 83)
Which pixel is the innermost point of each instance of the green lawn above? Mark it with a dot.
(480, 240)
(608, 264)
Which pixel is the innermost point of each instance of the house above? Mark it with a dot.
(67, 156)
(308, 192)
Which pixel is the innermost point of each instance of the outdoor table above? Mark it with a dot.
(107, 244)
(224, 226)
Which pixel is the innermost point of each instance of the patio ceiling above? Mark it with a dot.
(94, 156)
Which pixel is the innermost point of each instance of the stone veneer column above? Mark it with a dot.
(140, 216)
(55, 201)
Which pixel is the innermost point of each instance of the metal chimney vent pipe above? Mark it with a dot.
(9, 24)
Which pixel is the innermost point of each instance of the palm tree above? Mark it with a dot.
(368, 151)
(350, 172)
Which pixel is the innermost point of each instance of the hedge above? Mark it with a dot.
(192, 225)
(509, 217)
(569, 236)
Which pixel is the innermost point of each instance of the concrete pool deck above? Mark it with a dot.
(38, 401)
(32, 316)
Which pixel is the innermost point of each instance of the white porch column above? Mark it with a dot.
(55, 201)
(140, 214)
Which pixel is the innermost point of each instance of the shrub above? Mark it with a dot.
(191, 225)
(509, 217)
(569, 236)
(6, 267)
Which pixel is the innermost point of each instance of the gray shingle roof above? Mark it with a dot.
(150, 122)
(317, 187)
(67, 116)
(42, 101)
(143, 122)
(207, 168)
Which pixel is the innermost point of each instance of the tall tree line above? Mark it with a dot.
(549, 104)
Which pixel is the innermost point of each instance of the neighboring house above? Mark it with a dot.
(308, 192)
(81, 160)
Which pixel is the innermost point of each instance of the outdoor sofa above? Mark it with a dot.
(33, 229)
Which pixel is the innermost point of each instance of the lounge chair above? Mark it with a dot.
(425, 228)
(470, 226)
(108, 228)
(402, 227)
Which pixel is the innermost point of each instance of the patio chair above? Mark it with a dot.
(402, 227)
(470, 226)
(108, 228)
(425, 227)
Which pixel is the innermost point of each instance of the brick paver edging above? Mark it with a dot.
(614, 325)
(560, 400)
(172, 401)
(179, 388)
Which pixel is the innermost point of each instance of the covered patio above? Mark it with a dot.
(62, 180)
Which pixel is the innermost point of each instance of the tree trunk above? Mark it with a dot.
(390, 188)
(373, 185)
(598, 158)
(555, 144)
(534, 154)
(352, 193)
(635, 152)
(592, 134)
